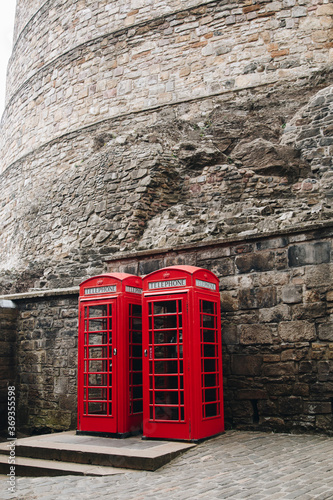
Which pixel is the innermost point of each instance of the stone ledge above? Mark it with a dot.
(219, 242)
(40, 294)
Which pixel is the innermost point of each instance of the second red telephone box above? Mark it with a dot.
(110, 355)
(182, 363)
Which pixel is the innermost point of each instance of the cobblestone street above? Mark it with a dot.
(237, 465)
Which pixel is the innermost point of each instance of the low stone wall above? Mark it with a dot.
(8, 317)
(47, 363)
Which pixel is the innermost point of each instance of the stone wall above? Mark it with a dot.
(277, 332)
(177, 57)
(47, 363)
(191, 132)
(8, 318)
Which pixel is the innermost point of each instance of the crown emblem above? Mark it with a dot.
(166, 275)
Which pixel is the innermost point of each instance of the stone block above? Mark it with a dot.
(292, 294)
(251, 394)
(257, 298)
(256, 334)
(246, 365)
(296, 331)
(309, 253)
(262, 261)
(277, 370)
(229, 302)
(325, 331)
(274, 314)
(315, 407)
(230, 334)
(291, 405)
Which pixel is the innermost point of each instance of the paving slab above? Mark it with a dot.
(132, 452)
(28, 467)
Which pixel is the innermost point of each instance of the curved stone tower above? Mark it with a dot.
(142, 133)
(137, 124)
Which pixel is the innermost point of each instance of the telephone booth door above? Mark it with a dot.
(165, 376)
(98, 366)
(110, 355)
(182, 363)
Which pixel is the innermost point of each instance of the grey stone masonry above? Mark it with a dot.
(8, 323)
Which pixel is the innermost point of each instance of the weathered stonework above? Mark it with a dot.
(8, 358)
(139, 134)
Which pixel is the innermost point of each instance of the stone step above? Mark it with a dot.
(35, 467)
(128, 453)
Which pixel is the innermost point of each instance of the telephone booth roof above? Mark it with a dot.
(111, 283)
(181, 276)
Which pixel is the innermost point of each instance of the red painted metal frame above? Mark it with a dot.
(199, 404)
(112, 403)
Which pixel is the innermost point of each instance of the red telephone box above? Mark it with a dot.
(182, 363)
(110, 355)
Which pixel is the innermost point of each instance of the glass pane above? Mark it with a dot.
(137, 392)
(97, 324)
(166, 367)
(98, 352)
(211, 395)
(212, 409)
(166, 413)
(166, 337)
(167, 307)
(208, 336)
(137, 406)
(170, 382)
(137, 378)
(97, 408)
(210, 380)
(210, 365)
(136, 337)
(97, 393)
(166, 397)
(136, 351)
(137, 365)
(208, 307)
(98, 365)
(136, 310)
(98, 311)
(166, 351)
(165, 322)
(97, 379)
(209, 350)
(98, 338)
(208, 321)
(136, 323)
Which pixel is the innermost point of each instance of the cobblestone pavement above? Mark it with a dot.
(236, 465)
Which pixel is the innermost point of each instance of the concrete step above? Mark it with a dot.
(128, 453)
(34, 467)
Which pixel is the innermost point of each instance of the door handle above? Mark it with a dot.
(145, 352)
(114, 352)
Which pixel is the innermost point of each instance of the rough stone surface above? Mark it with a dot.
(238, 465)
(144, 134)
(8, 318)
